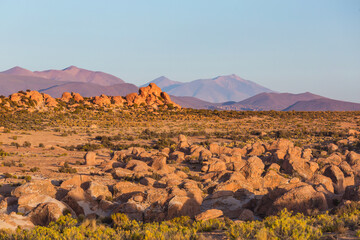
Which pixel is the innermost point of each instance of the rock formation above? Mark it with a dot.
(151, 96)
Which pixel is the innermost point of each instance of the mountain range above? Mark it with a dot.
(216, 90)
(229, 92)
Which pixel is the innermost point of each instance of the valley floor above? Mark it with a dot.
(179, 174)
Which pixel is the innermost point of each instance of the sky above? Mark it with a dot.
(286, 45)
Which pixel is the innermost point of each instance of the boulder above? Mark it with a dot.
(27, 202)
(215, 166)
(120, 173)
(337, 177)
(77, 97)
(272, 178)
(76, 181)
(298, 197)
(65, 97)
(159, 165)
(280, 144)
(43, 187)
(257, 149)
(125, 190)
(299, 166)
(332, 147)
(13, 221)
(137, 166)
(209, 214)
(247, 215)
(324, 181)
(352, 193)
(96, 190)
(353, 158)
(90, 159)
(182, 206)
(132, 209)
(177, 156)
(253, 168)
(226, 202)
(102, 100)
(307, 154)
(45, 213)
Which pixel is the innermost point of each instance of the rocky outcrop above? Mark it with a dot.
(151, 96)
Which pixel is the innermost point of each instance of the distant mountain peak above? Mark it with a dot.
(162, 82)
(69, 74)
(18, 71)
(228, 77)
(72, 67)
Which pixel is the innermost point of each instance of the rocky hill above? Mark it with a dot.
(151, 96)
(323, 104)
(69, 74)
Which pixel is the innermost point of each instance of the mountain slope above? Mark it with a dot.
(13, 83)
(191, 102)
(219, 89)
(69, 74)
(273, 101)
(324, 104)
(163, 83)
(90, 89)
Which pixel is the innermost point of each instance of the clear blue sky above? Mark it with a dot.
(286, 45)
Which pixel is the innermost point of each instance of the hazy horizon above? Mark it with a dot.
(287, 46)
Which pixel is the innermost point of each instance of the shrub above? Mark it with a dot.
(67, 169)
(26, 144)
(34, 169)
(3, 153)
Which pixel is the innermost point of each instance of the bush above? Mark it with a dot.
(26, 144)
(67, 169)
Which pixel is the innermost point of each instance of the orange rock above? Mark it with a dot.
(102, 100)
(118, 100)
(66, 96)
(77, 97)
(130, 98)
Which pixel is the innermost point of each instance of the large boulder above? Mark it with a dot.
(125, 190)
(209, 214)
(352, 193)
(160, 166)
(253, 168)
(228, 202)
(96, 190)
(183, 142)
(353, 158)
(299, 167)
(132, 209)
(90, 159)
(76, 181)
(337, 177)
(102, 100)
(182, 206)
(43, 187)
(137, 166)
(298, 197)
(45, 213)
(215, 165)
(84, 204)
(257, 149)
(13, 221)
(27, 202)
(324, 181)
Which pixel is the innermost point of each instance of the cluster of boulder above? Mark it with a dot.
(151, 96)
(202, 182)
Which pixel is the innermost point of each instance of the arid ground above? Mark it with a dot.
(136, 173)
